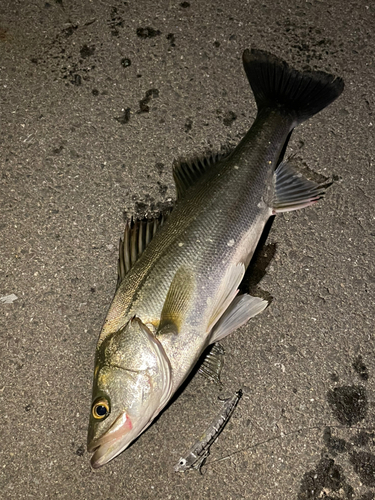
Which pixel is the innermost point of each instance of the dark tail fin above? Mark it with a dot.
(278, 86)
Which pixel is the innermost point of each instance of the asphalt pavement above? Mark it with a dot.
(97, 100)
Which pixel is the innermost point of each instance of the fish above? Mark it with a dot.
(200, 450)
(179, 273)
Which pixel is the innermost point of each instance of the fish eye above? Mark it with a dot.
(100, 409)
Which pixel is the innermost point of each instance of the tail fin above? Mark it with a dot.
(278, 86)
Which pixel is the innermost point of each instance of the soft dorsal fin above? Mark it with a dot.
(293, 191)
(137, 235)
(187, 172)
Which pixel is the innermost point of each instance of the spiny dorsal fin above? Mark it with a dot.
(187, 172)
(137, 235)
(293, 191)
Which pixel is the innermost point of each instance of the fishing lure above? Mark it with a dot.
(198, 453)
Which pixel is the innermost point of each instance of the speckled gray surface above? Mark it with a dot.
(97, 98)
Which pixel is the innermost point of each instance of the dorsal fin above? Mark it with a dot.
(137, 235)
(187, 172)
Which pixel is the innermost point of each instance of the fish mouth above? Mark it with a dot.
(114, 441)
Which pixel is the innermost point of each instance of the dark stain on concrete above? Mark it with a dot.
(76, 79)
(188, 124)
(360, 368)
(159, 167)
(229, 118)
(364, 466)
(124, 117)
(163, 188)
(327, 478)
(171, 38)
(348, 404)
(116, 21)
(143, 103)
(364, 438)
(335, 445)
(125, 62)
(367, 496)
(147, 32)
(80, 450)
(87, 51)
(68, 32)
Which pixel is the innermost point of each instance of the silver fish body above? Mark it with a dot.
(180, 294)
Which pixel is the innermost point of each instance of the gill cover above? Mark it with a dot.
(132, 383)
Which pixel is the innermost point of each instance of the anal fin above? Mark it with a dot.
(293, 191)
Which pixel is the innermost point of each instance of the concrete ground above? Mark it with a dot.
(97, 99)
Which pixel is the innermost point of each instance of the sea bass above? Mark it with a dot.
(178, 279)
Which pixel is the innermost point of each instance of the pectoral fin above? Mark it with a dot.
(239, 312)
(177, 302)
(293, 191)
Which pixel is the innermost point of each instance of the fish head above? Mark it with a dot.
(132, 383)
